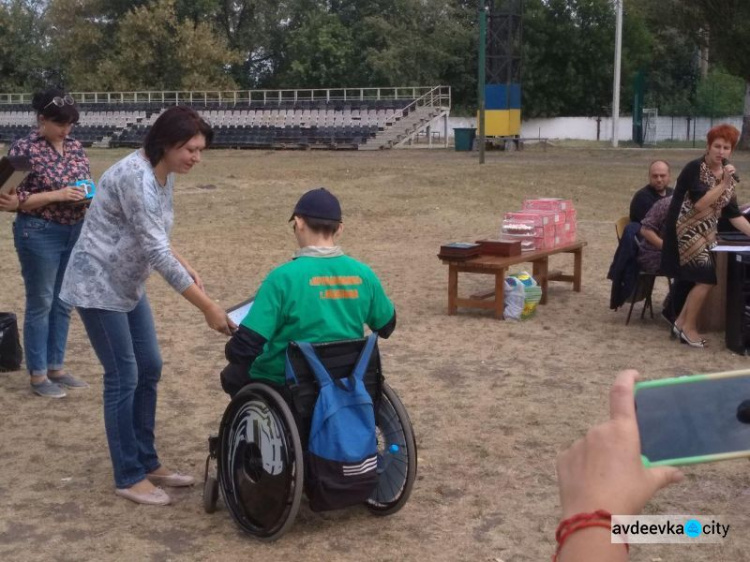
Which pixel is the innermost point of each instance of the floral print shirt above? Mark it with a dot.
(649, 256)
(124, 237)
(51, 171)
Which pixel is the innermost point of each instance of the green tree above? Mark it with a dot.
(257, 30)
(415, 43)
(671, 62)
(23, 64)
(568, 57)
(723, 26)
(154, 50)
(720, 94)
(378, 43)
(79, 40)
(319, 53)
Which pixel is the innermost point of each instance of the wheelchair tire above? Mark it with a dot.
(210, 494)
(260, 465)
(397, 456)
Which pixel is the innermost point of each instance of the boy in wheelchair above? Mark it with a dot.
(321, 295)
(337, 429)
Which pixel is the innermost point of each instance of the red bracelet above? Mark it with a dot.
(567, 527)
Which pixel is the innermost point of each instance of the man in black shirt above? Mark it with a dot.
(644, 198)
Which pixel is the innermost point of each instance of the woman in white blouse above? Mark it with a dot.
(125, 236)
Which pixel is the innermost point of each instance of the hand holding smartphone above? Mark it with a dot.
(88, 187)
(694, 419)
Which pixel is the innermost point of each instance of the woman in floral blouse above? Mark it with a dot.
(50, 215)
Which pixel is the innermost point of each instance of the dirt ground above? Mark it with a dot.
(492, 402)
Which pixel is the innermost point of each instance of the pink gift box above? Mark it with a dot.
(548, 242)
(528, 243)
(548, 204)
(539, 219)
(534, 242)
(543, 217)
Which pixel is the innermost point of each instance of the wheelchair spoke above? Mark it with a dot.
(394, 436)
(391, 418)
(394, 488)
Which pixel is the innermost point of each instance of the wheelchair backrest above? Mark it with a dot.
(339, 358)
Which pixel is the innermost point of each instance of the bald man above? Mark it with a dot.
(657, 188)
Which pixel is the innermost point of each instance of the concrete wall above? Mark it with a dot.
(585, 128)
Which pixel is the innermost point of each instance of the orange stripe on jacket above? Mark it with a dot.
(334, 280)
(337, 294)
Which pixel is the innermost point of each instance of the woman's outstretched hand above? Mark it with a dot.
(217, 319)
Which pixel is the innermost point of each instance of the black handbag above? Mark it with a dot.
(11, 353)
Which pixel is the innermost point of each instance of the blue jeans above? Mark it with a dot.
(44, 248)
(126, 345)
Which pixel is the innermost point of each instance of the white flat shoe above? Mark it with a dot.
(154, 497)
(174, 480)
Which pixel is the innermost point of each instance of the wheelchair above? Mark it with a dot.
(260, 449)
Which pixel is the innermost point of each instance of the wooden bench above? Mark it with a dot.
(498, 266)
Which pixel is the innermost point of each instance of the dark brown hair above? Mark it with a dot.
(173, 128)
(42, 104)
(321, 226)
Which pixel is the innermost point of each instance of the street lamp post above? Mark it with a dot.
(618, 61)
(481, 80)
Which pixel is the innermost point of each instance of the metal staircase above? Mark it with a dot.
(419, 116)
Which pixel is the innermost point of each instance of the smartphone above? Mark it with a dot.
(694, 419)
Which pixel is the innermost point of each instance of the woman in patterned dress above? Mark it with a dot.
(45, 230)
(705, 191)
(126, 236)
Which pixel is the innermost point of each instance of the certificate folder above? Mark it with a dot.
(238, 312)
(458, 251)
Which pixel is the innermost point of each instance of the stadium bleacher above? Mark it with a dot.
(334, 124)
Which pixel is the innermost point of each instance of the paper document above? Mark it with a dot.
(728, 248)
(238, 312)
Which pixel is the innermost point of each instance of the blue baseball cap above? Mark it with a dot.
(318, 204)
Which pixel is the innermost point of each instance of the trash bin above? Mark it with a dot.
(464, 138)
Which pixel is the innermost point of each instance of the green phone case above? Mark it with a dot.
(687, 380)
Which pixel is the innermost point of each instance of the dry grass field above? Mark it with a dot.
(492, 402)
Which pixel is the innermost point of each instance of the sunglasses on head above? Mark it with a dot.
(60, 101)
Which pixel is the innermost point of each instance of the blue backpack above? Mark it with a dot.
(341, 459)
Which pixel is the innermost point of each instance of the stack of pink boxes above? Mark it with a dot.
(543, 224)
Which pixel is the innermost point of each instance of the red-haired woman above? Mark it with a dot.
(704, 192)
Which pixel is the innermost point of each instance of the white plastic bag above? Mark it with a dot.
(513, 302)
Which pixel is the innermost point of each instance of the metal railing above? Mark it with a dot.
(438, 97)
(239, 97)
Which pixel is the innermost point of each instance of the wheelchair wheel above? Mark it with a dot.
(260, 463)
(397, 456)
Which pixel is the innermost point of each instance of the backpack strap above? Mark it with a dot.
(289, 374)
(364, 357)
(324, 377)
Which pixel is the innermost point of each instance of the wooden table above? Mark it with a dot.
(498, 266)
